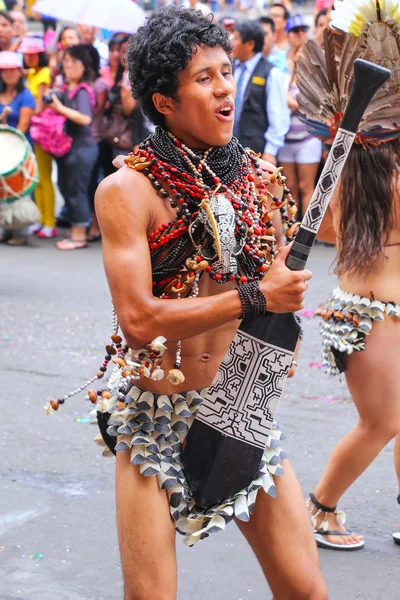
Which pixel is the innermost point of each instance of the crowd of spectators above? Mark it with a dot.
(74, 75)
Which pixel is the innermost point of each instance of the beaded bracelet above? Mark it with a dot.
(254, 303)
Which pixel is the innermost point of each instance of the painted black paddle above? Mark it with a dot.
(225, 444)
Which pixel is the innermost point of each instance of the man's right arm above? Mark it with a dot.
(125, 222)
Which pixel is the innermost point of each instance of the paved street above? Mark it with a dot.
(57, 531)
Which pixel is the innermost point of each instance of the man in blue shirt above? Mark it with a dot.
(279, 52)
(261, 113)
(277, 58)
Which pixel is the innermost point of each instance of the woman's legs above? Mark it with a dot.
(397, 463)
(307, 176)
(44, 193)
(373, 378)
(290, 172)
(308, 158)
(77, 168)
(94, 229)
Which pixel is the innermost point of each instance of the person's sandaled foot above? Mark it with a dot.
(396, 536)
(69, 244)
(93, 237)
(18, 240)
(329, 528)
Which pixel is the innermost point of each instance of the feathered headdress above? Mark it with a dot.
(368, 29)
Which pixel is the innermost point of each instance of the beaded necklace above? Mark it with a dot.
(192, 241)
(223, 227)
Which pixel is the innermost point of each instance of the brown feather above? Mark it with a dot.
(330, 59)
(325, 79)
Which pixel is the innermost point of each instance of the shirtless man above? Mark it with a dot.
(181, 67)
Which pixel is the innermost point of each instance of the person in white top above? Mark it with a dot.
(89, 36)
(195, 5)
(19, 24)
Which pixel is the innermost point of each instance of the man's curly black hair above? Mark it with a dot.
(163, 48)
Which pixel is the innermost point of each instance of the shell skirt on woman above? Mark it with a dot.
(347, 320)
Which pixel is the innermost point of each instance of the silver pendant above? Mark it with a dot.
(225, 246)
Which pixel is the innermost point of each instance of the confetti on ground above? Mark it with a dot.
(83, 420)
(316, 365)
(6, 338)
(36, 555)
(307, 313)
(327, 399)
(2, 548)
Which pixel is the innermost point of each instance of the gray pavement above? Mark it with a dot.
(57, 517)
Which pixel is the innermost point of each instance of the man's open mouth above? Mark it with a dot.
(226, 111)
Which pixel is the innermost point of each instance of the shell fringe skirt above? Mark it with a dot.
(153, 427)
(347, 320)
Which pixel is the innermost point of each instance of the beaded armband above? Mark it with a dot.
(254, 303)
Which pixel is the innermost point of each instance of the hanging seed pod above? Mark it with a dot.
(92, 396)
(119, 361)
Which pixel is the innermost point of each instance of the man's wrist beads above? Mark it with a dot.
(254, 303)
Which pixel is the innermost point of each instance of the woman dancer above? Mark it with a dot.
(361, 319)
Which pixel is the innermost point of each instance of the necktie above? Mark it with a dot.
(239, 96)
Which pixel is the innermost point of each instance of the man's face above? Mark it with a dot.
(241, 50)
(19, 23)
(277, 14)
(203, 114)
(69, 38)
(88, 34)
(269, 39)
(322, 24)
(297, 37)
(6, 33)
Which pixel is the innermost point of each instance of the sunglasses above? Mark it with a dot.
(299, 30)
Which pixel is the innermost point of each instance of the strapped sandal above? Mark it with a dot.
(323, 531)
(396, 536)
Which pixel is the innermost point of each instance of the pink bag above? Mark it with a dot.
(48, 128)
